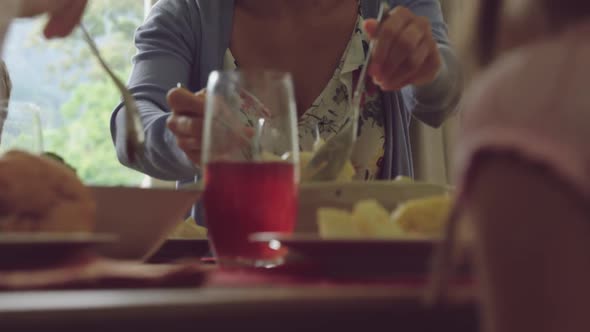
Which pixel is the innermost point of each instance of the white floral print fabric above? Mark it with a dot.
(331, 109)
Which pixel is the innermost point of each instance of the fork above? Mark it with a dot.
(134, 135)
(327, 163)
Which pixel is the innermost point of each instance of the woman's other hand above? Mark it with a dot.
(405, 51)
(64, 15)
(186, 121)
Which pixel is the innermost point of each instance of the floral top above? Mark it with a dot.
(331, 110)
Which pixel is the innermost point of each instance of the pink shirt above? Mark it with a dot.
(533, 103)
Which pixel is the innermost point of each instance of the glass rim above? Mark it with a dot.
(271, 74)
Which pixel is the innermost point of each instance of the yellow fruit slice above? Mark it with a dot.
(189, 229)
(335, 223)
(404, 179)
(425, 216)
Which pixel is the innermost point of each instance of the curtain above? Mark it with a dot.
(432, 148)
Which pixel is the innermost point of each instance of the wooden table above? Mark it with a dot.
(301, 308)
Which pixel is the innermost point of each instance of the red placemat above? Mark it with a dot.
(308, 275)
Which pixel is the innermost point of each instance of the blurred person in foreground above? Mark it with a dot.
(524, 163)
(64, 15)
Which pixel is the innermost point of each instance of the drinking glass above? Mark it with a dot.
(250, 160)
(20, 127)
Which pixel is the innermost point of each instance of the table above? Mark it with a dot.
(214, 308)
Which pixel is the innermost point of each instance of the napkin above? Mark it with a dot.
(92, 272)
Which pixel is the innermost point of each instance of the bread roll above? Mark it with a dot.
(38, 194)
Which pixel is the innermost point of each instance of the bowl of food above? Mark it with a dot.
(141, 218)
(384, 227)
(345, 195)
(187, 241)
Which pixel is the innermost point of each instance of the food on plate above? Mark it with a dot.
(305, 157)
(369, 219)
(403, 179)
(425, 216)
(336, 223)
(56, 157)
(189, 229)
(40, 194)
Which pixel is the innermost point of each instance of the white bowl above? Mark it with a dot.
(313, 196)
(141, 218)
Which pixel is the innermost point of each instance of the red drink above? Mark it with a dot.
(244, 198)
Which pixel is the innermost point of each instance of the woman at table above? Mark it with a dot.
(64, 15)
(524, 163)
(322, 43)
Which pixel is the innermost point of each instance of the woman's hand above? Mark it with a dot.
(405, 51)
(64, 15)
(186, 121)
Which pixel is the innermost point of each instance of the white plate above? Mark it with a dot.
(34, 250)
(363, 256)
(55, 238)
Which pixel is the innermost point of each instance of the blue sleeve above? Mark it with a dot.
(166, 46)
(434, 102)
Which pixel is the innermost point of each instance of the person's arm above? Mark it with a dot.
(8, 10)
(434, 102)
(166, 48)
(5, 84)
(64, 15)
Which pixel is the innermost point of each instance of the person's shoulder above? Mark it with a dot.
(522, 77)
(174, 5)
(533, 64)
(520, 65)
(407, 3)
(176, 8)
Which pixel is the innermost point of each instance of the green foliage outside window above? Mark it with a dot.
(75, 96)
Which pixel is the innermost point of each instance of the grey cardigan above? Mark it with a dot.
(184, 40)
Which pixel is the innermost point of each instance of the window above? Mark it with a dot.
(75, 97)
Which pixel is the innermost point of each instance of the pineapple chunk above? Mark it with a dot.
(368, 220)
(425, 216)
(369, 216)
(189, 229)
(373, 220)
(304, 159)
(267, 156)
(420, 217)
(388, 230)
(403, 179)
(345, 175)
(335, 223)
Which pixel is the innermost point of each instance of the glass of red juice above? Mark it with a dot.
(250, 160)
